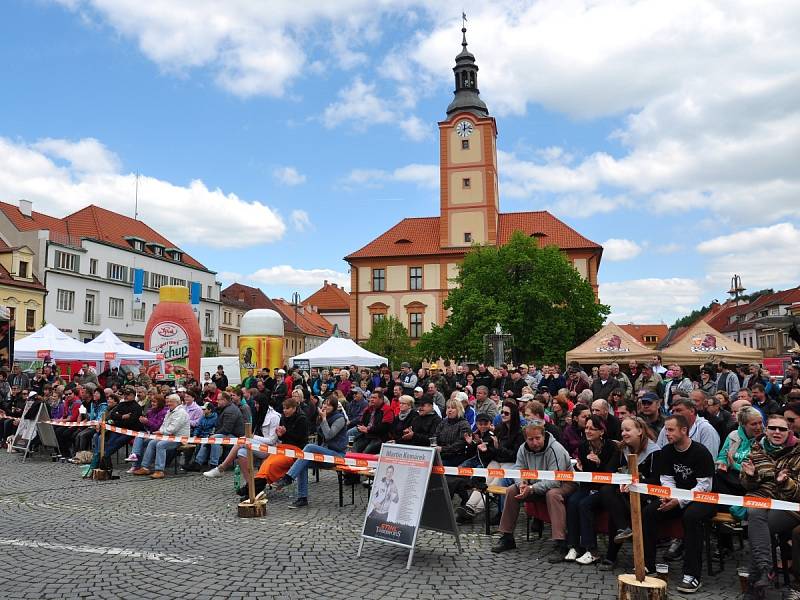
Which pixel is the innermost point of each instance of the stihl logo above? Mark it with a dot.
(601, 477)
(755, 502)
(529, 474)
(497, 472)
(658, 490)
(706, 497)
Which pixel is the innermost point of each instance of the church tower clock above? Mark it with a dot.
(467, 162)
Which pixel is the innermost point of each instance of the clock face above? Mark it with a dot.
(464, 129)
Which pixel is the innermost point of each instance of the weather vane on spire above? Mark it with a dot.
(464, 20)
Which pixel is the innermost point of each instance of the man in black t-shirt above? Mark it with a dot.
(685, 465)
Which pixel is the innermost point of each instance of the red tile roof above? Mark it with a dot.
(639, 331)
(309, 322)
(420, 235)
(330, 297)
(93, 222)
(7, 280)
(254, 297)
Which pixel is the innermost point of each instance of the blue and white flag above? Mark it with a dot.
(195, 289)
(138, 286)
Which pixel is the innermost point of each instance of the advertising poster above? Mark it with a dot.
(259, 351)
(398, 494)
(172, 341)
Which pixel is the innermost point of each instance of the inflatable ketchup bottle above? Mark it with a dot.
(173, 332)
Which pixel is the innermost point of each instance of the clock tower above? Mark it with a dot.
(467, 162)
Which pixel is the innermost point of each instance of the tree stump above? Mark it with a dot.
(99, 474)
(247, 509)
(651, 588)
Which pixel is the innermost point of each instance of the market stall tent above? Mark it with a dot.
(108, 347)
(49, 343)
(703, 344)
(610, 344)
(340, 352)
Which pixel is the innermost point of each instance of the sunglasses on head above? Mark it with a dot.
(777, 428)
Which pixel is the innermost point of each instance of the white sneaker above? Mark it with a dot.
(215, 472)
(132, 469)
(132, 458)
(586, 559)
(571, 555)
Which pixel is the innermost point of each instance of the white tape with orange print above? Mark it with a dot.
(663, 491)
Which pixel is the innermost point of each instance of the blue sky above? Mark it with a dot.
(274, 138)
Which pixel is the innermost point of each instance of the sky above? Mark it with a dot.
(273, 138)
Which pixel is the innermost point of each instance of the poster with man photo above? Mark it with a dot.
(398, 494)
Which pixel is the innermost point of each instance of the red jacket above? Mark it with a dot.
(72, 412)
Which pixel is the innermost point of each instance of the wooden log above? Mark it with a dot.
(636, 521)
(247, 510)
(251, 480)
(630, 588)
(99, 474)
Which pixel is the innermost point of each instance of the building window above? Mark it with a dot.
(465, 144)
(209, 329)
(30, 319)
(208, 295)
(466, 183)
(378, 280)
(158, 250)
(377, 317)
(65, 261)
(650, 339)
(415, 325)
(468, 238)
(116, 308)
(226, 317)
(89, 309)
(117, 272)
(157, 280)
(138, 312)
(415, 278)
(65, 300)
(92, 266)
(238, 319)
(177, 281)
(22, 269)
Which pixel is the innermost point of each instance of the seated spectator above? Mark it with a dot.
(152, 422)
(534, 411)
(176, 422)
(469, 412)
(453, 434)
(192, 408)
(700, 430)
(596, 453)
(71, 414)
(559, 411)
(208, 422)
(688, 465)
(405, 417)
(125, 414)
(602, 409)
(230, 423)
(292, 435)
(771, 471)
(638, 439)
(540, 452)
(500, 453)
(423, 427)
(332, 432)
(735, 450)
(721, 420)
(650, 411)
(572, 435)
(483, 403)
(97, 409)
(625, 409)
(238, 453)
(355, 408)
(375, 427)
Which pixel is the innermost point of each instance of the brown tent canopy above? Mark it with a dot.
(610, 344)
(702, 344)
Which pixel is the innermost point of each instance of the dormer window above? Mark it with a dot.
(174, 253)
(156, 248)
(135, 242)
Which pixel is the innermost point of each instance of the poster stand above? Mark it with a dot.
(398, 507)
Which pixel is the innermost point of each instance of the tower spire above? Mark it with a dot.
(467, 96)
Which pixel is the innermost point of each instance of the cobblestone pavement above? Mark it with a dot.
(63, 537)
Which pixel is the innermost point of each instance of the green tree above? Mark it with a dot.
(389, 338)
(534, 293)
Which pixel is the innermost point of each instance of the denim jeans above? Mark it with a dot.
(471, 463)
(214, 449)
(299, 470)
(157, 450)
(139, 444)
(114, 441)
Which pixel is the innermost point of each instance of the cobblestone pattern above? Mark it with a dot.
(63, 537)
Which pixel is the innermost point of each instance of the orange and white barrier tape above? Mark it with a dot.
(501, 473)
(663, 491)
(60, 423)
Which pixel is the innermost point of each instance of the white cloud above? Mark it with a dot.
(61, 176)
(288, 176)
(617, 249)
(286, 275)
(762, 256)
(301, 221)
(360, 105)
(424, 176)
(651, 300)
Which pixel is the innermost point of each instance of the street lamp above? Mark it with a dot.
(296, 302)
(736, 290)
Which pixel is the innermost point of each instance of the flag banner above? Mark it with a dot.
(138, 285)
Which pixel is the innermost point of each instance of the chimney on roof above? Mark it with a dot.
(324, 282)
(26, 207)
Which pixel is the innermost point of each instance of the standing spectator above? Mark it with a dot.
(19, 378)
(727, 381)
(577, 381)
(658, 368)
(278, 394)
(625, 384)
(678, 383)
(602, 386)
(483, 403)
(649, 380)
(721, 420)
(707, 383)
(484, 377)
(687, 465)
(633, 371)
(407, 379)
(762, 402)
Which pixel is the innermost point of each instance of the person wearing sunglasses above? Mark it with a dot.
(792, 414)
(771, 471)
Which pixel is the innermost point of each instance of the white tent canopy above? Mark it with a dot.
(108, 346)
(340, 352)
(51, 342)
